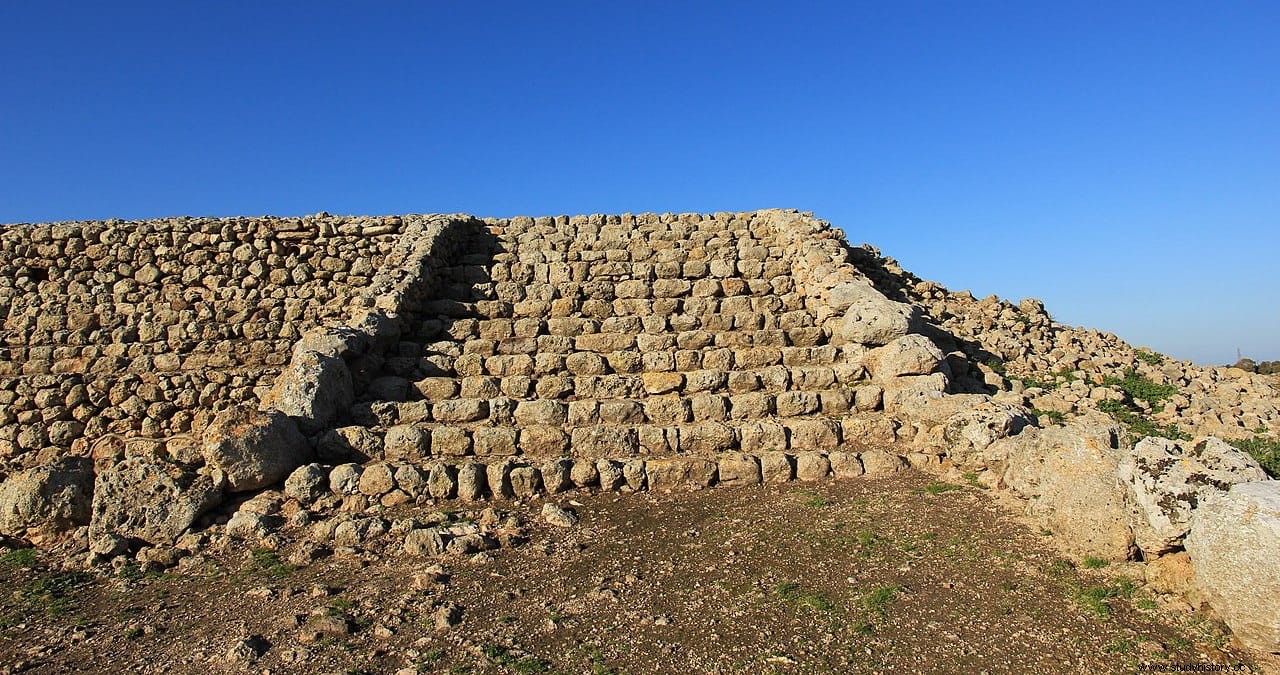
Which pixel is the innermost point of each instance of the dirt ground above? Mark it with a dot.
(882, 575)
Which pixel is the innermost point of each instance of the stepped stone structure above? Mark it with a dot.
(167, 382)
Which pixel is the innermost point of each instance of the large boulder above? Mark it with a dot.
(1069, 477)
(964, 426)
(149, 500)
(254, 449)
(1164, 480)
(315, 390)
(908, 355)
(51, 499)
(1235, 545)
(869, 317)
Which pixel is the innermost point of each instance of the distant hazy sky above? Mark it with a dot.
(1120, 161)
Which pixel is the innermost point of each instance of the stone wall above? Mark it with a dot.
(144, 328)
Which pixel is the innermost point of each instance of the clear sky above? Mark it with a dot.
(1120, 161)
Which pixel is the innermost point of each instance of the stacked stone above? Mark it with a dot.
(146, 327)
(1027, 345)
(617, 338)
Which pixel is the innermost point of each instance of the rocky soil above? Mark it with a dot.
(866, 575)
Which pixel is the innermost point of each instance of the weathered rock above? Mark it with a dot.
(525, 481)
(348, 444)
(149, 500)
(344, 479)
(811, 466)
(406, 442)
(377, 479)
(881, 463)
(635, 474)
(253, 449)
(1069, 477)
(1170, 573)
(1165, 480)
(610, 473)
(557, 515)
(555, 475)
(845, 464)
(51, 499)
(442, 481)
(1234, 544)
(314, 390)
(869, 318)
(424, 542)
(307, 483)
(908, 355)
(737, 468)
(471, 482)
(669, 474)
(776, 467)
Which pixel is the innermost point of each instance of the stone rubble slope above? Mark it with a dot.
(521, 358)
(1020, 350)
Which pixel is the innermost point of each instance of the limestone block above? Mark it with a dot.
(1234, 543)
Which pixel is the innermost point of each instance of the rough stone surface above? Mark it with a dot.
(315, 390)
(1234, 543)
(149, 500)
(52, 499)
(680, 472)
(253, 449)
(1165, 480)
(307, 483)
(558, 516)
(1069, 475)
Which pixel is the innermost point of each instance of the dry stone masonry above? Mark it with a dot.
(302, 384)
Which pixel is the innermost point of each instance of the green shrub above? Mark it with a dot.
(1141, 388)
(1138, 425)
(1150, 358)
(1265, 450)
(1053, 416)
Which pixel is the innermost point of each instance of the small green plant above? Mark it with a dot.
(268, 561)
(1120, 647)
(800, 597)
(54, 592)
(816, 501)
(1061, 567)
(878, 600)
(972, 479)
(1265, 450)
(1146, 604)
(1150, 358)
(521, 664)
(996, 366)
(1096, 598)
(939, 488)
(1054, 416)
(19, 557)
(339, 607)
(598, 664)
(1092, 563)
(1139, 425)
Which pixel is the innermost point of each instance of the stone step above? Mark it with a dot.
(556, 379)
(393, 483)
(657, 409)
(421, 440)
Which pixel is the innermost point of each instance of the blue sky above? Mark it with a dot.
(1120, 161)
